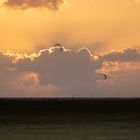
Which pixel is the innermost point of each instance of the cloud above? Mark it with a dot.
(15, 82)
(52, 73)
(67, 70)
(124, 81)
(27, 4)
(6, 67)
(125, 55)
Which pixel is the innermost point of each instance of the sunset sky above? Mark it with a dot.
(98, 36)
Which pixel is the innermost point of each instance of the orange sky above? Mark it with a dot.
(98, 24)
(106, 33)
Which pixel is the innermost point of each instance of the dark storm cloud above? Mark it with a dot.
(126, 55)
(26, 4)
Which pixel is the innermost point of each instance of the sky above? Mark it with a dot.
(97, 36)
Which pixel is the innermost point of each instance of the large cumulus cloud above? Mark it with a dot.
(68, 70)
(52, 73)
(26, 4)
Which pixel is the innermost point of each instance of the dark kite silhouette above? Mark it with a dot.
(61, 48)
(105, 76)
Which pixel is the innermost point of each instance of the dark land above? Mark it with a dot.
(69, 105)
(84, 109)
(70, 118)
